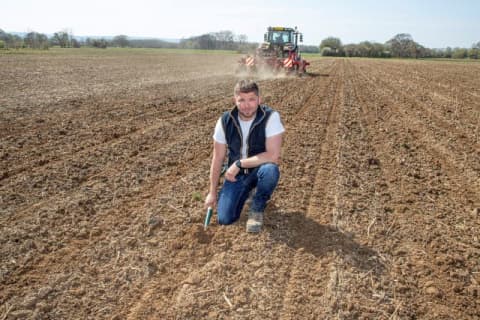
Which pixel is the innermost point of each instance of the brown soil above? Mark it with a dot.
(103, 158)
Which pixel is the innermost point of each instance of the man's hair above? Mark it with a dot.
(246, 86)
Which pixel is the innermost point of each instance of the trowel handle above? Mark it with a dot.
(208, 217)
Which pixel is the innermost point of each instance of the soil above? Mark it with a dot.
(104, 164)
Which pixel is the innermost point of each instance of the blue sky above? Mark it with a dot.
(434, 24)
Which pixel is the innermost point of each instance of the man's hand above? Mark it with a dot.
(232, 172)
(211, 200)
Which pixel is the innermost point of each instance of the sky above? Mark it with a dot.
(433, 24)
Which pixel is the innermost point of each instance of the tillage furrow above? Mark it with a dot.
(308, 279)
(425, 224)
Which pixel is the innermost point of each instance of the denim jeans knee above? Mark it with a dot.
(268, 175)
(231, 199)
(270, 170)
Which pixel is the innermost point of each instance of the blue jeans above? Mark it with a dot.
(233, 195)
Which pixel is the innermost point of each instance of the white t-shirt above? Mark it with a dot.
(274, 126)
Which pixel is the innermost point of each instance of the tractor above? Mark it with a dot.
(278, 53)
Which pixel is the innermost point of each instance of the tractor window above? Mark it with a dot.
(280, 37)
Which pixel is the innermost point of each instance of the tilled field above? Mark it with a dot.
(104, 164)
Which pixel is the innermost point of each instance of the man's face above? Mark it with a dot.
(247, 104)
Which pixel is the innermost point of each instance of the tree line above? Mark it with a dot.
(400, 46)
(222, 40)
(35, 40)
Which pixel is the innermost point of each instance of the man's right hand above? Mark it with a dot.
(211, 200)
(232, 172)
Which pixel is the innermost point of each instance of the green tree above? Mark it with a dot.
(10, 40)
(403, 46)
(351, 50)
(62, 38)
(366, 49)
(120, 41)
(460, 53)
(75, 43)
(448, 52)
(474, 53)
(242, 39)
(4, 37)
(225, 40)
(100, 43)
(242, 43)
(222, 40)
(327, 52)
(331, 46)
(96, 43)
(36, 40)
(88, 42)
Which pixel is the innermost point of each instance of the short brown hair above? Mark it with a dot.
(246, 86)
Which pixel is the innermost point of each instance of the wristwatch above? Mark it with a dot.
(238, 163)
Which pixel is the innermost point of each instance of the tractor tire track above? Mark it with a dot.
(305, 276)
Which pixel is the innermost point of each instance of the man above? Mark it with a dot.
(252, 135)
